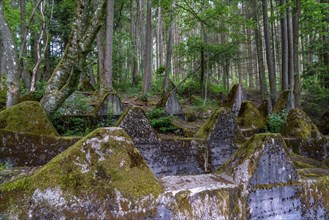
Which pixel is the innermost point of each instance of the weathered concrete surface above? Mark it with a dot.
(263, 159)
(110, 105)
(222, 133)
(286, 102)
(275, 203)
(137, 126)
(250, 117)
(182, 157)
(27, 149)
(27, 117)
(164, 157)
(103, 176)
(235, 98)
(303, 136)
(200, 197)
(171, 105)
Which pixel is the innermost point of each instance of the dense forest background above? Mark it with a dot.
(134, 47)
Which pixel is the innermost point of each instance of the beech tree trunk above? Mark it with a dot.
(66, 75)
(10, 61)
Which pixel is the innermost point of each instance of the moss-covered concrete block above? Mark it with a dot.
(299, 125)
(28, 149)
(101, 176)
(286, 101)
(235, 98)
(264, 159)
(169, 102)
(137, 126)
(27, 117)
(222, 134)
(250, 117)
(303, 136)
(182, 156)
(200, 197)
(110, 105)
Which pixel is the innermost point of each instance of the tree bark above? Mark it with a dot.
(290, 51)
(269, 53)
(297, 84)
(147, 78)
(259, 46)
(284, 49)
(11, 61)
(108, 84)
(169, 48)
(66, 75)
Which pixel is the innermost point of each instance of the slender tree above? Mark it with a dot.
(106, 83)
(269, 53)
(147, 78)
(10, 61)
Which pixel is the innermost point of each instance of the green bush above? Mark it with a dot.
(275, 121)
(160, 120)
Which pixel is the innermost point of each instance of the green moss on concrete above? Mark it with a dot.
(96, 165)
(250, 117)
(248, 154)
(299, 125)
(282, 102)
(209, 125)
(27, 117)
(303, 162)
(313, 172)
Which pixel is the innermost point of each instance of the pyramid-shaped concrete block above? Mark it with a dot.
(138, 127)
(286, 102)
(262, 160)
(94, 178)
(222, 133)
(303, 136)
(220, 126)
(235, 98)
(110, 105)
(250, 117)
(171, 104)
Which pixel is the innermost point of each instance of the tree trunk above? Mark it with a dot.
(169, 48)
(107, 85)
(147, 79)
(66, 75)
(133, 37)
(297, 84)
(290, 51)
(284, 49)
(259, 46)
(11, 61)
(269, 54)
